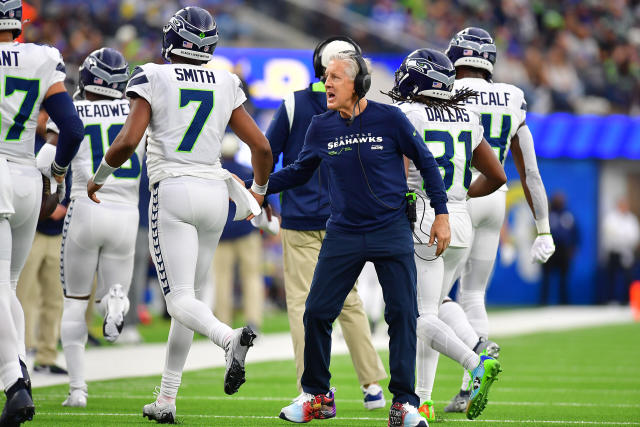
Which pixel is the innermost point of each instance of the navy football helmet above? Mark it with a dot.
(425, 72)
(104, 72)
(191, 33)
(11, 16)
(473, 47)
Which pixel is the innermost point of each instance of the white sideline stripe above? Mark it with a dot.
(264, 417)
(287, 399)
(148, 359)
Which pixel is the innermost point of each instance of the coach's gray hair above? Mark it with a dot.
(352, 68)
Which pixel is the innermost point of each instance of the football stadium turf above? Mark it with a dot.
(586, 376)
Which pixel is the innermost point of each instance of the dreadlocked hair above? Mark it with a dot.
(454, 103)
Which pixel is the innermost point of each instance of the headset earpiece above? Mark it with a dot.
(362, 82)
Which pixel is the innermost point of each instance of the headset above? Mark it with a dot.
(317, 53)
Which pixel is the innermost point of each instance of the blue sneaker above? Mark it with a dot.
(405, 415)
(481, 379)
(373, 397)
(307, 407)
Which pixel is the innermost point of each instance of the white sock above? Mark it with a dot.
(452, 314)
(426, 366)
(196, 315)
(466, 379)
(178, 346)
(473, 286)
(73, 333)
(18, 319)
(442, 338)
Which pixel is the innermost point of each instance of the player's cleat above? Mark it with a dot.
(77, 398)
(163, 413)
(26, 377)
(117, 305)
(373, 397)
(427, 410)
(405, 415)
(18, 407)
(493, 349)
(235, 353)
(459, 402)
(481, 379)
(307, 407)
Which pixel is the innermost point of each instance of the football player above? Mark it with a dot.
(187, 108)
(502, 110)
(97, 238)
(31, 78)
(453, 134)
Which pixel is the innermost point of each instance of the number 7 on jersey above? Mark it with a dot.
(205, 99)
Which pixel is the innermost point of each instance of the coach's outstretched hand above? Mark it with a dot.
(440, 232)
(92, 188)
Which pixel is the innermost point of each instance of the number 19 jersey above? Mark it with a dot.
(27, 71)
(190, 109)
(102, 121)
(502, 109)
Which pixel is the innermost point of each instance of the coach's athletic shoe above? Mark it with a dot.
(77, 398)
(164, 413)
(459, 402)
(427, 411)
(481, 379)
(307, 407)
(117, 304)
(373, 397)
(18, 407)
(235, 353)
(492, 349)
(405, 415)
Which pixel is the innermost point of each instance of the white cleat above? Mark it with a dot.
(77, 398)
(117, 305)
(235, 353)
(164, 413)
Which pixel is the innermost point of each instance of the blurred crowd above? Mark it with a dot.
(568, 55)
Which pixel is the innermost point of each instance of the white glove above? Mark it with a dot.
(261, 222)
(542, 248)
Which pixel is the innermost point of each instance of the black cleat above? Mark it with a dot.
(26, 377)
(19, 407)
(235, 354)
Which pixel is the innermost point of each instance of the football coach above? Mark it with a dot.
(362, 144)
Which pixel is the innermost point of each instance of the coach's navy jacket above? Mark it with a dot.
(367, 182)
(305, 207)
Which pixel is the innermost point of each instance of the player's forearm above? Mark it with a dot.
(261, 161)
(483, 186)
(532, 184)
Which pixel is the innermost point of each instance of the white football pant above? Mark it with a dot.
(186, 218)
(16, 237)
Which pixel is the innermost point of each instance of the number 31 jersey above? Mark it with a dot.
(451, 136)
(27, 71)
(102, 121)
(190, 109)
(502, 109)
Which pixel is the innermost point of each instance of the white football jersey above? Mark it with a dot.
(102, 122)
(451, 136)
(190, 109)
(502, 109)
(27, 71)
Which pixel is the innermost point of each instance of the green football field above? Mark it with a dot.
(588, 376)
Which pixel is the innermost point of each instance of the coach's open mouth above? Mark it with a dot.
(330, 96)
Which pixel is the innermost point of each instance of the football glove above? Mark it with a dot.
(542, 248)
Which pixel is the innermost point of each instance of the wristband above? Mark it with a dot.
(58, 170)
(542, 225)
(103, 172)
(260, 190)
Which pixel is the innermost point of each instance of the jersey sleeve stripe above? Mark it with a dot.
(138, 81)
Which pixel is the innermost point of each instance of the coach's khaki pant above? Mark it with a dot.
(40, 293)
(247, 252)
(300, 255)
